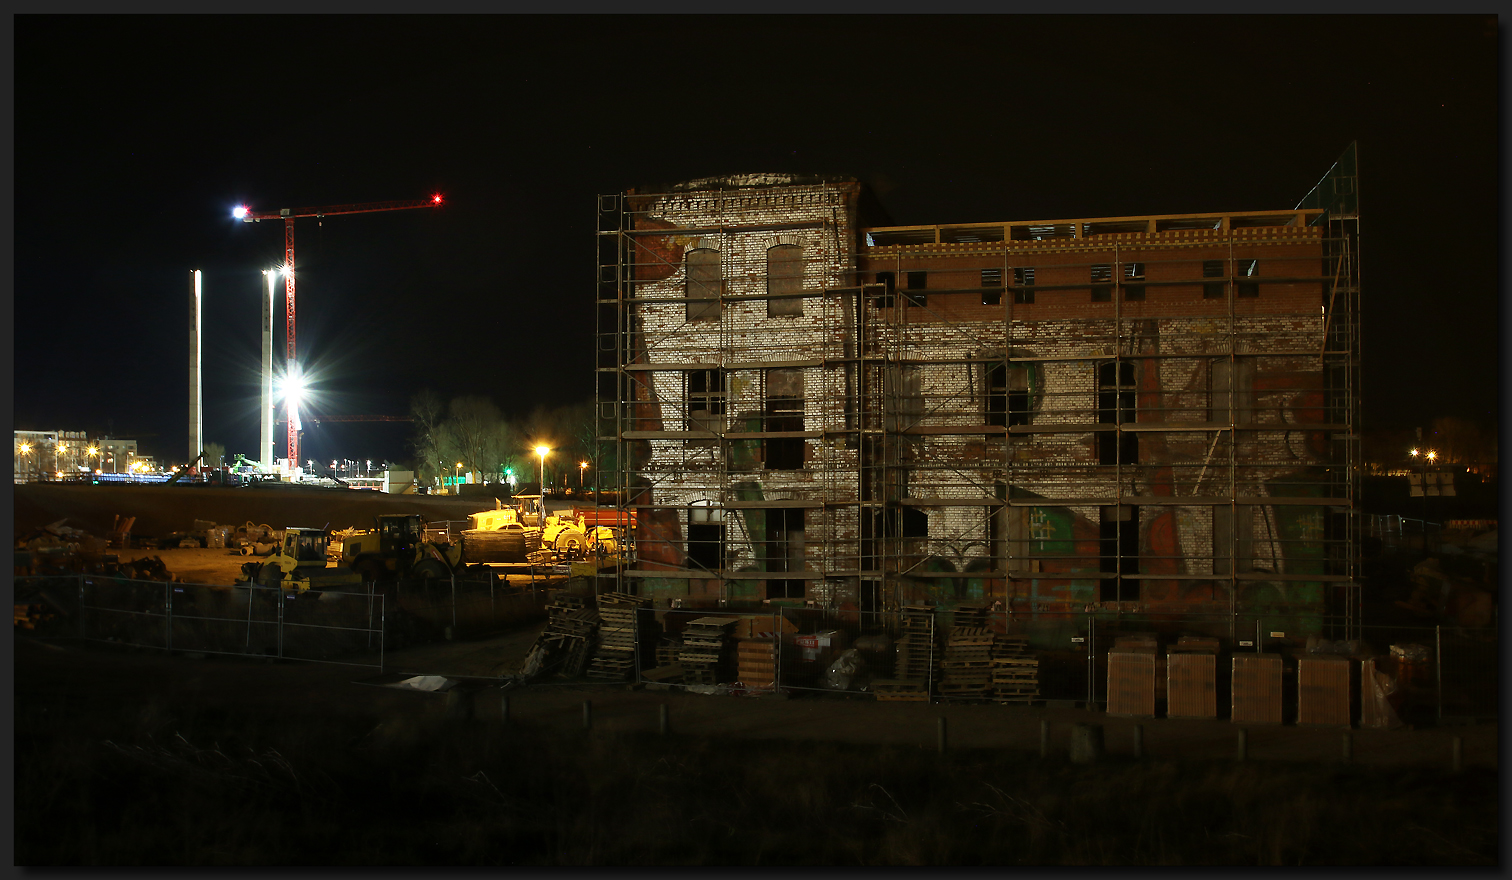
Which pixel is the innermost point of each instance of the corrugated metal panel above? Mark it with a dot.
(1323, 690)
(1192, 690)
(1131, 681)
(1257, 689)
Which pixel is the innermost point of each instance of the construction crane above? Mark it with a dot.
(292, 378)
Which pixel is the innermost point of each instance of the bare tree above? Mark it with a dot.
(479, 434)
(428, 412)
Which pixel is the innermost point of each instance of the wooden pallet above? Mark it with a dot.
(898, 690)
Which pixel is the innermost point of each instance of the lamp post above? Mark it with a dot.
(582, 469)
(456, 479)
(25, 454)
(541, 513)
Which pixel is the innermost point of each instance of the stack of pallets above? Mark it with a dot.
(1015, 671)
(667, 651)
(918, 658)
(569, 631)
(757, 663)
(703, 651)
(614, 657)
(966, 670)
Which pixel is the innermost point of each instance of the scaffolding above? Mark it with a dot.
(1151, 418)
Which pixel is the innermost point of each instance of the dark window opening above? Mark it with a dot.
(917, 282)
(1231, 388)
(1115, 406)
(1133, 273)
(1246, 269)
(1007, 395)
(1023, 283)
(992, 278)
(784, 412)
(706, 400)
(784, 545)
(884, 300)
(1212, 289)
(705, 284)
(1102, 292)
(1118, 539)
(706, 538)
(903, 393)
(784, 280)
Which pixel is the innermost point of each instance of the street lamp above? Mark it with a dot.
(456, 479)
(582, 469)
(541, 451)
(25, 452)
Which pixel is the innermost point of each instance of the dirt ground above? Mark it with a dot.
(119, 682)
(160, 510)
(115, 681)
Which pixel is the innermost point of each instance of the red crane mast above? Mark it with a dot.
(288, 216)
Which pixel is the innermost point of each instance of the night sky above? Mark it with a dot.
(136, 136)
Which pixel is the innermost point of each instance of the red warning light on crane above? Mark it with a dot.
(436, 198)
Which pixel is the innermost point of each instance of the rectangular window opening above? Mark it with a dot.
(992, 287)
(784, 280)
(1118, 540)
(706, 538)
(1247, 268)
(884, 300)
(706, 400)
(784, 412)
(1212, 289)
(1101, 290)
(1023, 284)
(917, 282)
(1116, 390)
(1007, 395)
(784, 548)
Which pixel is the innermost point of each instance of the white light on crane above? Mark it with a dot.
(239, 212)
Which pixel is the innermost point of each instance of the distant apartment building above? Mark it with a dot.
(68, 455)
(1153, 417)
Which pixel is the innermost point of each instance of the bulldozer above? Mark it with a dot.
(299, 564)
(396, 548)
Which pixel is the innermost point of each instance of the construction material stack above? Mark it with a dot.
(569, 630)
(757, 661)
(614, 659)
(1015, 671)
(918, 658)
(966, 670)
(704, 648)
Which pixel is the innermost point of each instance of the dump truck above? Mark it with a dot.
(299, 564)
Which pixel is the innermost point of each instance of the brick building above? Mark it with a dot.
(1152, 418)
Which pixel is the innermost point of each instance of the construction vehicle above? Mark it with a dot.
(397, 548)
(299, 564)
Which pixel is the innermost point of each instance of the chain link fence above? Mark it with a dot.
(315, 625)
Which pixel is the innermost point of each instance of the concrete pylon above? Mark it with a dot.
(265, 443)
(196, 386)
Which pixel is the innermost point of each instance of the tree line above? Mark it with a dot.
(471, 431)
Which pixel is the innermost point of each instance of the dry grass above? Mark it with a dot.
(168, 786)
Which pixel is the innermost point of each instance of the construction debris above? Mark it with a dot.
(563, 645)
(704, 655)
(618, 636)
